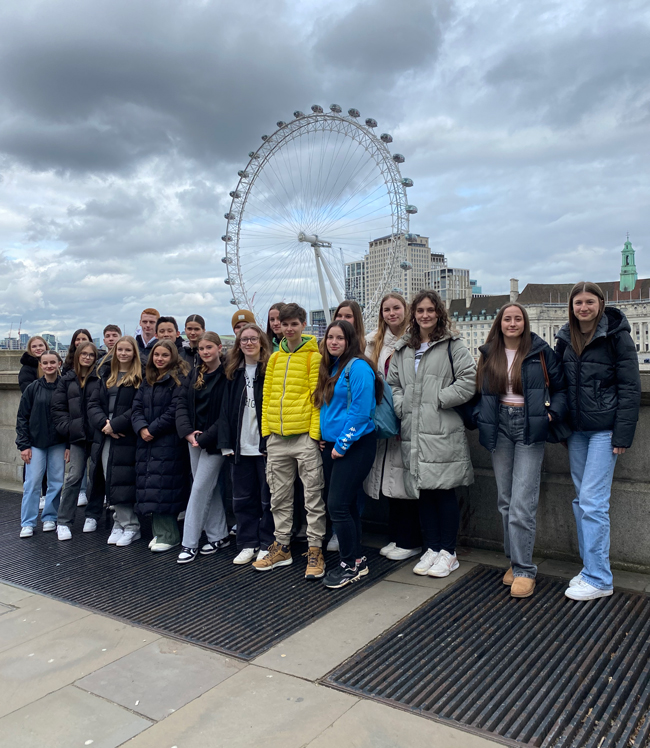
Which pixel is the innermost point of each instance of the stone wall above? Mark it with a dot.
(11, 466)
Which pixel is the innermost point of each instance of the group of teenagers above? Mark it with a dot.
(154, 419)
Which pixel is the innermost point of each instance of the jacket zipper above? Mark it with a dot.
(284, 390)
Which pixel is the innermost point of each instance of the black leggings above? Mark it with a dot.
(439, 518)
(343, 479)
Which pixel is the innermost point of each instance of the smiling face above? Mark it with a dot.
(274, 321)
(37, 348)
(513, 323)
(393, 313)
(81, 338)
(49, 364)
(209, 352)
(250, 343)
(162, 358)
(335, 342)
(87, 357)
(193, 330)
(124, 352)
(426, 316)
(586, 307)
(346, 313)
(166, 331)
(292, 329)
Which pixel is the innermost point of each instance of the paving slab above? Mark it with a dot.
(70, 717)
(35, 668)
(256, 707)
(405, 575)
(372, 725)
(624, 580)
(161, 677)
(316, 649)
(6, 609)
(34, 616)
(11, 595)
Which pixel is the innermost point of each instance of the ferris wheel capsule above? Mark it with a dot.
(397, 290)
(406, 182)
(411, 209)
(406, 265)
(398, 158)
(354, 113)
(226, 260)
(386, 138)
(242, 173)
(234, 302)
(227, 281)
(410, 237)
(229, 216)
(236, 195)
(298, 114)
(280, 123)
(370, 122)
(226, 238)
(316, 109)
(265, 137)
(335, 108)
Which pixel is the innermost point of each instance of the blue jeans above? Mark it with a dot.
(592, 464)
(517, 469)
(51, 460)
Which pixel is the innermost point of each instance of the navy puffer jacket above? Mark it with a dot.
(162, 466)
(604, 385)
(536, 423)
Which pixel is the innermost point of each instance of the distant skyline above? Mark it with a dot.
(525, 128)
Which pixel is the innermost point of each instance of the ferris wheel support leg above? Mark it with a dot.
(332, 280)
(321, 284)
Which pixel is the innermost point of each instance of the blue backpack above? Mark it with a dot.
(383, 416)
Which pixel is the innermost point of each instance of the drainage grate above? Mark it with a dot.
(211, 602)
(545, 671)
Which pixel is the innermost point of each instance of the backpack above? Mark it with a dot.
(386, 422)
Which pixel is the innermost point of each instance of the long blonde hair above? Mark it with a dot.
(236, 355)
(382, 326)
(177, 368)
(579, 341)
(39, 371)
(211, 337)
(133, 375)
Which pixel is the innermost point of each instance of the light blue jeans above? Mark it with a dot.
(51, 460)
(592, 464)
(517, 470)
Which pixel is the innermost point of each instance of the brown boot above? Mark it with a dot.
(508, 577)
(315, 563)
(522, 587)
(278, 555)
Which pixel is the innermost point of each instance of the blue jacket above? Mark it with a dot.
(343, 426)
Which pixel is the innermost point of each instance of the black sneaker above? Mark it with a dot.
(341, 575)
(212, 547)
(186, 555)
(362, 566)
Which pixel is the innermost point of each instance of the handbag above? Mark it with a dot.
(466, 410)
(557, 431)
(386, 422)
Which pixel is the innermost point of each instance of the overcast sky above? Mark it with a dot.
(525, 127)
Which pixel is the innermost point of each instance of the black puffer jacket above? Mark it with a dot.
(162, 468)
(34, 424)
(28, 371)
(186, 410)
(189, 355)
(232, 411)
(143, 349)
(604, 385)
(70, 407)
(119, 481)
(536, 423)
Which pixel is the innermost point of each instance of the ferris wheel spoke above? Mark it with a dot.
(329, 198)
(282, 211)
(337, 215)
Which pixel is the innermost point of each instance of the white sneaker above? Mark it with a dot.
(162, 547)
(116, 534)
(426, 562)
(444, 565)
(333, 544)
(582, 590)
(399, 554)
(83, 499)
(41, 502)
(387, 549)
(128, 536)
(181, 516)
(26, 532)
(576, 579)
(245, 556)
(49, 526)
(90, 525)
(63, 532)
(152, 542)
(261, 555)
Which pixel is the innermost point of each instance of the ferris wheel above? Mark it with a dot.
(309, 200)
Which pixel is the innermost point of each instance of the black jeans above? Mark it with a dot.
(404, 523)
(251, 503)
(439, 518)
(343, 479)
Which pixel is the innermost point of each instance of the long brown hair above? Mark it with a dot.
(133, 375)
(382, 325)
(69, 359)
(442, 324)
(177, 367)
(278, 306)
(236, 355)
(494, 367)
(211, 337)
(357, 315)
(326, 382)
(77, 365)
(579, 340)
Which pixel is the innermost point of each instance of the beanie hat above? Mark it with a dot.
(242, 315)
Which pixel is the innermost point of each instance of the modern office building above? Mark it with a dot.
(355, 280)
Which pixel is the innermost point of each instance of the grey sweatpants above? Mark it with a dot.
(205, 509)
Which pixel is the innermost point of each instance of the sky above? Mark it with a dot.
(525, 128)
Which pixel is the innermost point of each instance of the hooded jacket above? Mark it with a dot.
(434, 445)
(70, 407)
(233, 407)
(536, 423)
(34, 424)
(604, 384)
(291, 378)
(186, 410)
(189, 354)
(145, 348)
(28, 371)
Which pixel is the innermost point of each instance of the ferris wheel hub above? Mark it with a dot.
(313, 240)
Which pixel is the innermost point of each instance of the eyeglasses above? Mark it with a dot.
(249, 341)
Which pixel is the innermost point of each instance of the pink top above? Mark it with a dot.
(509, 396)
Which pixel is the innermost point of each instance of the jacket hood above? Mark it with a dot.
(612, 322)
(48, 385)
(403, 342)
(309, 343)
(537, 344)
(28, 360)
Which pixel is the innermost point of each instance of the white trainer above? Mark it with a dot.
(152, 542)
(63, 532)
(116, 534)
(90, 525)
(128, 536)
(576, 579)
(26, 532)
(162, 547)
(83, 499)
(427, 560)
(387, 549)
(333, 544)
(49, 526)
(582, 590)
(444, 565)
(245, 556)
(261, 555)
(399, 554)
(41, 502)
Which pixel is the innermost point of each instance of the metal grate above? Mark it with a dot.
(212, 602)
(543, 671)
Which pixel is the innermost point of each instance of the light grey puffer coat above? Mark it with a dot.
(434, 446)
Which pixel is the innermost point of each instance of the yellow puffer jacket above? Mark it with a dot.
(290, 380)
